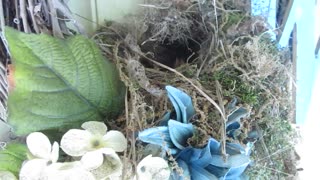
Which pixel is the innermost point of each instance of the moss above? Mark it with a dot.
(232, 86)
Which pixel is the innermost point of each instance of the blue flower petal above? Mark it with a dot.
(212, 148)
(234, 148)
(232, 161)
(199, 173)
(185, 174)
(232, 129)
(184, 103)
(236, 115)
(232, 104)
(165, 118)
(238, 164)
(230, 169)
(157, 135)
(217, 171)
(180, 133)
(176, 107)
(189, 154)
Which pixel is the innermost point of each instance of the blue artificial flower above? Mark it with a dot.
(173, 134)
(197, 164)
(233, 119)
(171, 138)
(208, 163)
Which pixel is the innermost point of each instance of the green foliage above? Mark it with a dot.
(11, 158)
(274, 156)
(233, 19)
(60, 83)
(233, 86)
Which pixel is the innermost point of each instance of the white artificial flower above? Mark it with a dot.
(43, 154)
(44, 165)
(153, 168)
(95, 145)
(67, 171)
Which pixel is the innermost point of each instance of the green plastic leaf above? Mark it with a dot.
(12, 157)
(60, 83)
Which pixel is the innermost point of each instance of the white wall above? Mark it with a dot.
(94, 12)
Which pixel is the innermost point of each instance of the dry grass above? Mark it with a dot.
(216, 51)
(226, 65)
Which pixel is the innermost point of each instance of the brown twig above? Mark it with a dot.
(127, 133)
(223, 121)
(186, 79)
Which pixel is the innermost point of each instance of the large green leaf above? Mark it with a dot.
(60, 83)
(11, 158)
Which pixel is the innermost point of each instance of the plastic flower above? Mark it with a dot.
(43, 154)
(96, 146)
(208, 163)
(173, 134)
(171, 138)
(67, 171)
(153, 168)
(197, 164)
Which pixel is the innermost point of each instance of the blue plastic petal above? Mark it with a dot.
(189, 155)
(233, 161)
(212, 148)
(232, 129)
(165, 118)
(232, 104)
(217, 171)
(199, 173)
(234, 148)
(176, 107)
(186, 172)
(157, 135)
(184, 103)
(239, 165)
(236, 115)
(180, 133)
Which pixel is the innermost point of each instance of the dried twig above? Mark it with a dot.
(127, 132)
(31, 10)
(23, 15)
(54, 20)
(223, 121)
(188, 80)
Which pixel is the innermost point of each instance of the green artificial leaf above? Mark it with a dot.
(60, 83)
(12, 157)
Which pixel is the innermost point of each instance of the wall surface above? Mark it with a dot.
(93, 13)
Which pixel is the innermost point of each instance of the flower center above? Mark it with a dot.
(97, 143)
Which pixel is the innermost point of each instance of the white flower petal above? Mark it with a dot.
(95, 127)
(80, 175)
(92, 160)
(7, 175)
(115, 140)
(39, 145)
(55, 152)
(111, 167)
(153, 168)
(76, 142)
(68, 171)
(33, 169)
